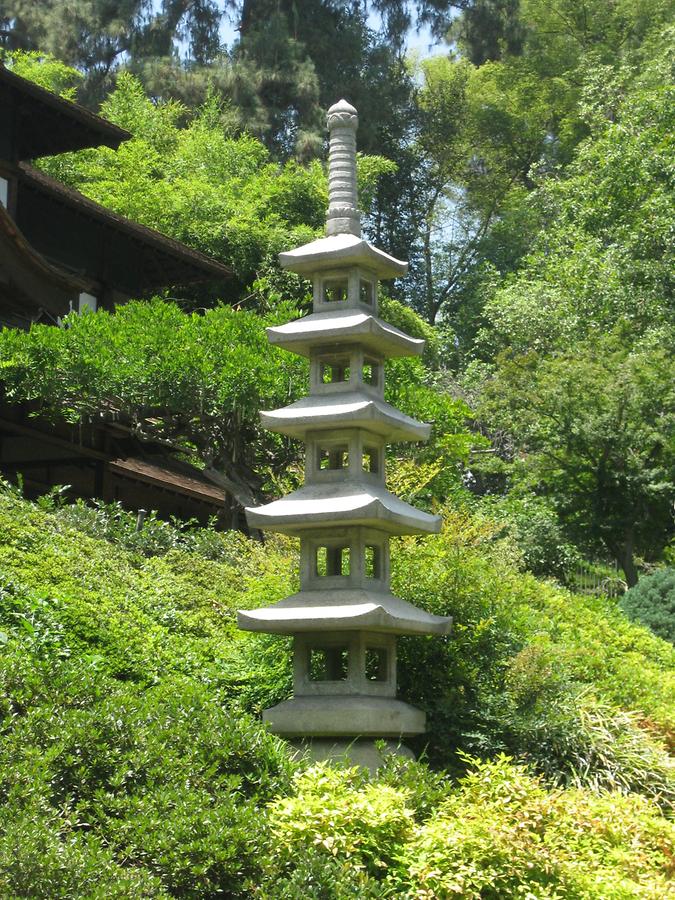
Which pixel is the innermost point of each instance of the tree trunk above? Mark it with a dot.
(626, 561)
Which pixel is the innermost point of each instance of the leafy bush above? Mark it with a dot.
(159, 786)
(535, 528)
(470, 572)
(652, 603)
(503, 835)
(498, 833)
(153, 536)
(336, 813)
(126, 739)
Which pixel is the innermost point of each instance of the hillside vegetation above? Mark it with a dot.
(132, 764)
(526, 174)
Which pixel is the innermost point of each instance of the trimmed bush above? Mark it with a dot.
(652, 603)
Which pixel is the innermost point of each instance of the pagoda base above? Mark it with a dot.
(350, 717)
(359, 752)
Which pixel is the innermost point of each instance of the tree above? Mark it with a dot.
(97, 37)
(198, 381)
(219, 193)
(594, 431)
(604, 254)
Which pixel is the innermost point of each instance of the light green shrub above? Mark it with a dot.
(502, 835)
(336, 814)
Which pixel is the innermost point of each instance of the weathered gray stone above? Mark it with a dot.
(353, 716)
(340, 327)
(344, 618)
(352, 409)
(346, 249)
(347, 503)
(342, 609)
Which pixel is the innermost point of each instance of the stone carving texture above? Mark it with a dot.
(344, 618)
(343, 214)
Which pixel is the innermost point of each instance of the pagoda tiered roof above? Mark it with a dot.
(343, 610)
(349, 502)
(353, 409)
(345, 326)
(341, 250)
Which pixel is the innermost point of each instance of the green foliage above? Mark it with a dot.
(507, 626)
(47, 71)
(652, 603)
(339, 814)
(597, 425)
(125, 735)
(200, 184)
(155, 537)
(604, 256)
(189, 177)
(198, 380)
(502, 835)
(498, 833)
(534, 527)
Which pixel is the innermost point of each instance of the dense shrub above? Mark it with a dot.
(497, 834)
(160, 787)
(652, 603)
(502, 835)
(127, 750)
(501, 617)
(534, 526)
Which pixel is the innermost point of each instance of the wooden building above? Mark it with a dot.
(59, 252)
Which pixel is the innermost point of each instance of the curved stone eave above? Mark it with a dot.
(326, 412)
(344, 327)
(338, 251)
(342, 504)
(345, 610)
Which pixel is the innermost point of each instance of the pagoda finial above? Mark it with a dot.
(343, 215)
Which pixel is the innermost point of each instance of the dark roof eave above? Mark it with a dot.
(203, 267)
(92, 130)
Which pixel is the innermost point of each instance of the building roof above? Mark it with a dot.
(172, 475)
(46, 124)
(27, 279)
(166, 261)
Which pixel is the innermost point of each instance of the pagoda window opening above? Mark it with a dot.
(366, 292)
(370, 372)
(332, 561)
(372, 561)
(333, 458)
(377, 664)
(328, 663)
(335, 290)
(334, 371)
(371, 460)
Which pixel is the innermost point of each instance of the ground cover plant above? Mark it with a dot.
(133, 765)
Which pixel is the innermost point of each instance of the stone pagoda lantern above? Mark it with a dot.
(344, 620)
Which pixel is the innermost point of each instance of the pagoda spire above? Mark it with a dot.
(344, 619)
(343, 216)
